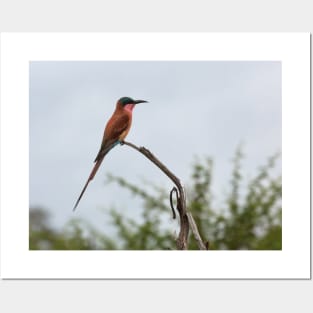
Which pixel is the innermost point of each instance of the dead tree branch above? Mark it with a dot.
(186, 220)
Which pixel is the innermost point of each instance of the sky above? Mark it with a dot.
(195, 109)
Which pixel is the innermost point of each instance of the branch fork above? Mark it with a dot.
(186, 219)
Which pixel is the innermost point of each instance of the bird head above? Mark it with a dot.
(128, 103)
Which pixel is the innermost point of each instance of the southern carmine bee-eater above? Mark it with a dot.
(115, 132)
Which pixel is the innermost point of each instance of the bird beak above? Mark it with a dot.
(140, 101)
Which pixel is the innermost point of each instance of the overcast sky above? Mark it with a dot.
(194, 109)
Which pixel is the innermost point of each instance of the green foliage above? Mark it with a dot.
(77, 235)
(246, 220)
(250, 223)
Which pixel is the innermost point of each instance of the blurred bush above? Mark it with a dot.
(249, 218)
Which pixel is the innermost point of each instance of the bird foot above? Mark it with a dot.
(122, 142)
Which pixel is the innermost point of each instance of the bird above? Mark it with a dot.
(115, 132)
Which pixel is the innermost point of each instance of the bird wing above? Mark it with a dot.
(121, 123)
(112, 134)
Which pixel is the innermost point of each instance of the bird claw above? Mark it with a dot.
(121, 142)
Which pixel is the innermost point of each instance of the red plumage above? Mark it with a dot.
(115, 131)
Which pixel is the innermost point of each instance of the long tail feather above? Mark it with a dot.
(91, 176)
(102, 153)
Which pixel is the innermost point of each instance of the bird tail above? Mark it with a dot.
(90, 178)
(98, 162)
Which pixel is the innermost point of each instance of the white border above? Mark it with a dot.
(16, 52)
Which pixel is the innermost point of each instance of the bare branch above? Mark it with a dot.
(186, 219)
(171, 200)
(195, 232)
